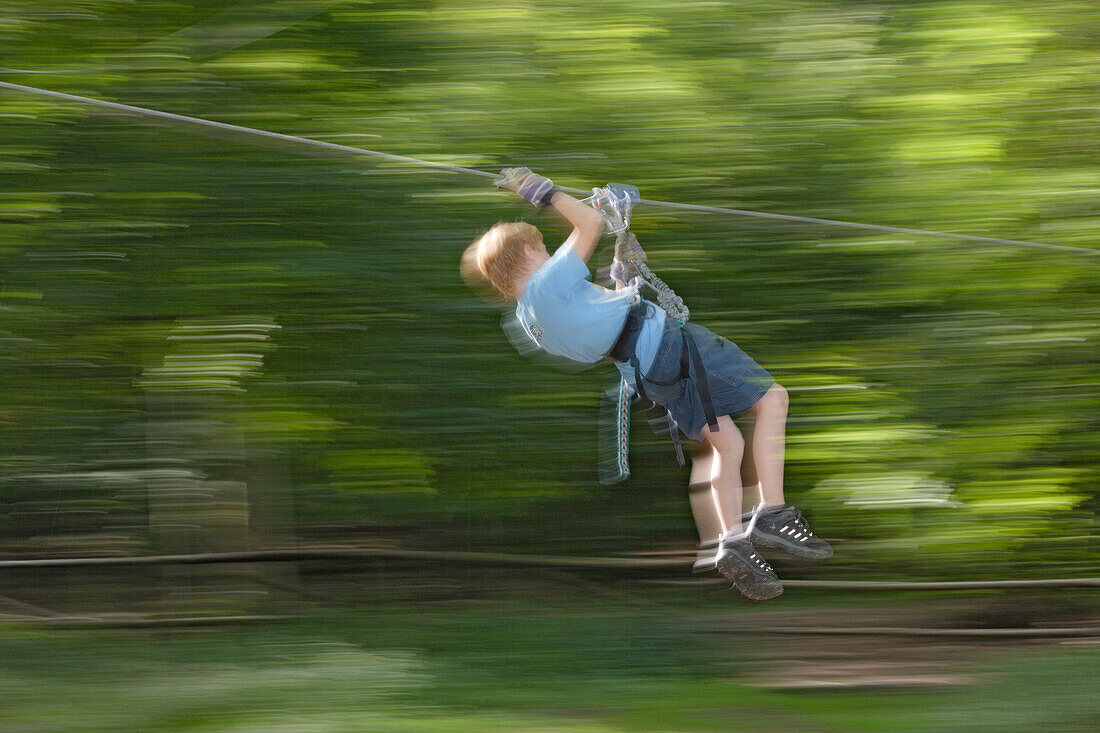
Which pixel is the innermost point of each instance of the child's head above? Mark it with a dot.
(499, 256)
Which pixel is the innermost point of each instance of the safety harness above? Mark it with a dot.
(615, 202)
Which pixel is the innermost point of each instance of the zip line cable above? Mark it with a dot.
(872, 227)
(335, 147)
(144, 112)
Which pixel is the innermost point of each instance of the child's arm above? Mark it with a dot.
(587, 223)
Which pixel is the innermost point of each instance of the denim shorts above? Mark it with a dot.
(736, 381)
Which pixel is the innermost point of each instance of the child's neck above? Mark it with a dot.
(521, 285)
(532, 266)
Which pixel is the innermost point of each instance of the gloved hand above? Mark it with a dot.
(627, 249)
(618, 272)
(535, 189)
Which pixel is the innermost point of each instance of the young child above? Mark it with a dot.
(701, 378)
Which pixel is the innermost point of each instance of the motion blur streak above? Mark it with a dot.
(211, 346)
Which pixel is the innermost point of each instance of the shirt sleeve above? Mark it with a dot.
(564, 270)
(519, 337)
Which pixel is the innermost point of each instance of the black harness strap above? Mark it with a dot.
(623, 348)
(689, 356)
(700, 379)
(624, 351)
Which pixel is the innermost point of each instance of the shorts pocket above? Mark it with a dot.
(666, 365)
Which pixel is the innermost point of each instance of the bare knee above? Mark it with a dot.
(775, 401)
(727, 441)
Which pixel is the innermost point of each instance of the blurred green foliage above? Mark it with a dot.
(569, 664)
(944, 395)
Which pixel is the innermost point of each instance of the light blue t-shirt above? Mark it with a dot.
(566, 314)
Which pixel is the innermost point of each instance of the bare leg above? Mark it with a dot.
(785, 527)
(701, 497)
(735, 557)
(751, 494)
(725, 478)
(769, 442)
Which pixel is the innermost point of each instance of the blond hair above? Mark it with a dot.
(497, 256)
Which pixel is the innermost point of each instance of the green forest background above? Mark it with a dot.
(347, 384)
(214, 342)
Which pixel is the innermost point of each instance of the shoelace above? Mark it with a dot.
(794, 524)
(759, 562)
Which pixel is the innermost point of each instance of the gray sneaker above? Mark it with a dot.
(739, 562)
(786, 529)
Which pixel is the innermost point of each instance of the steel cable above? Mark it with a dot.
(348, 149)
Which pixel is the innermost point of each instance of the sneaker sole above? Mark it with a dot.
(761, 590)
(792, 548)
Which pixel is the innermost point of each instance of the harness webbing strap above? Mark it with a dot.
(674, 433)
(689, 357)
(638, 378)
(701, 380)
(623, 348)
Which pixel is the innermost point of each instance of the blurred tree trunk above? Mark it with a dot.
(207, 493)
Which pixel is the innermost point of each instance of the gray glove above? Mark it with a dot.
(535, 189)
(628, 250)
(618, 272)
